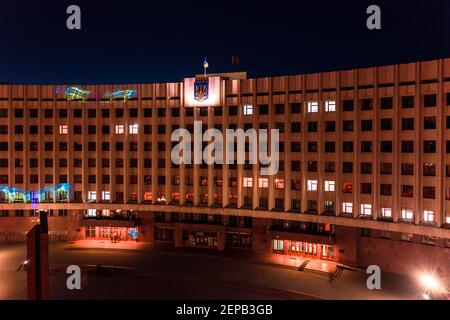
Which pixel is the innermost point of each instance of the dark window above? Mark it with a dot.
(330, 126)
(312, 126)
(429, 122)
(33, 129)
(263, 109)
(296, 108)
(218, 111)
(429, 146)
(366, 104)
(348, 105)
(386, 103)
(77, 129)
(366, 146)
(133, 112)
(105, 129)
(429, 170)
(386, 124)
(407, 169)
(279, 109)
(63, 146)
(161, 112)
(176, 112)
(385, 189)
(347, 167)
(330, 146)
(408, 102)
(429, 100)
(295, 147)
(92, 113)
(33, 113)
(105, 113)
(48, 146)
(366, 188)
(77, 146)
(147, 112)
(385, 168)
(295, 166)
(407, 146)
(48, 113)
(232, 111)
(366, 168)
(347, 125)
(77, 113)
(92, 146)
(312, 166)
(408, 124)
(18, 113)
(312, 146)
(429, 192)
(347, 146)
(48, 130)
(386, 146)
(119, 113)
(63, 113)
(366, 125)
(295, 127)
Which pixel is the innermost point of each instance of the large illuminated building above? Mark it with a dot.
(364, 172)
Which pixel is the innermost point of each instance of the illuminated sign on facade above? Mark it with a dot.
(202, 92)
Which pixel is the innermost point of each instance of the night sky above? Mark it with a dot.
(135, 41)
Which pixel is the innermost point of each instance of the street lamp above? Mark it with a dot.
(431, 285)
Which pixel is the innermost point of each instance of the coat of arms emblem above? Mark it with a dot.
(201, 90)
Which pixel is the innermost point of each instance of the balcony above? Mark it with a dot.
(113, 220)
(296, 233)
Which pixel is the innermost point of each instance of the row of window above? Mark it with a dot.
(429, 100)
(429, 146)
(386, 124)
(406, 214)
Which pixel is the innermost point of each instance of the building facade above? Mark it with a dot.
(364, 175)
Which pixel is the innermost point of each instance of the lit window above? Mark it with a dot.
(428, 216)
(248, 182)
(278, 245)
(120, 129)
(63, 129)
(366, 209)
(263, 182)
(148, 196)
(106, 212)
(91, 213)
(407, 214)
(279, 183)
(330, 106)
(312, 106)
(106, 195)
(386, 212)
(330, 186)
(248, 109)
(347, 207)
(92, 195)
(312, 185)
(133, 128)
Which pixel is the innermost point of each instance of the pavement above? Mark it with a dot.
(162, 272)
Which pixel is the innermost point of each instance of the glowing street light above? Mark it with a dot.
(430, 282)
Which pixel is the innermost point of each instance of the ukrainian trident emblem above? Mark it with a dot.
(201, 90)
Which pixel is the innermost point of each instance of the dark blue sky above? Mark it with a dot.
(135, 41)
